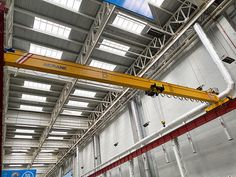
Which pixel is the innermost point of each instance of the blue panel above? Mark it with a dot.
(19, 173)
(140, 7)
(69, 174)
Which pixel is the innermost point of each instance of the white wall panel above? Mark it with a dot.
(87, 158)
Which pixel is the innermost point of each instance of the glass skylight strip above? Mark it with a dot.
(129, 23)
(102, 65)
(59, 132)
(73, 113)
(77, 103)
(31, 108)
(36, 85)
(158, 3)
(45, 51)
(73, 5)
(51, 28)
(23, 150)
(15, 165)
(24, 131)
(84, 93)
(55, 138)
(114, 47)
(33, 98)
(23, 136)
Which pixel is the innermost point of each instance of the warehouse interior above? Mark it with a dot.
(66, 122)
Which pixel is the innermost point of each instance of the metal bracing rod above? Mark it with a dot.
(116, 99)
(100, 22)
(54, 66)
(167, 158)
(191, 142)
(179, 158)
(131, 168)
(226, 129)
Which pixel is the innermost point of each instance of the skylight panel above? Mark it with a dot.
(129, 23)
(45, 51)
(47, 150)
(33, 98)
(114, 47)
(15, 165)
(84, 93)
(74, 113)
(102, 65)
(23, 150)
(59, 133)
(55, 138)
(73, 5)
(38, 165)
(23, 136)
(77, 103)
(36, 85)
(51, 28)
(31, 108)
(158, 3)
(24, 131)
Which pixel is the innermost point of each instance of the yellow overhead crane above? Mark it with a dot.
(30, 61)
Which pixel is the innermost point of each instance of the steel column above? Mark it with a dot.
(2, 12)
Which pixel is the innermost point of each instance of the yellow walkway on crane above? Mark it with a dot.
(30, 61)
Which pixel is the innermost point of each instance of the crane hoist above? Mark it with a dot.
(30, 61)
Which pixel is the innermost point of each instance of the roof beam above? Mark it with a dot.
(97, 28)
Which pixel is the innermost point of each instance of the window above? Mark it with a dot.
(36, 85)
(31, 108)
(129, 23)
(157, 3)
(44, 51)
(24, 131)
(73, 113)
(23, 136)
(114, 47)
(84, 93)
(77, 103)
(51, 28)
(102, 65)
(68, 4)
(33, 98)
(55, 138)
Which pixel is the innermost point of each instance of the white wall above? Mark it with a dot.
(216, 156)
